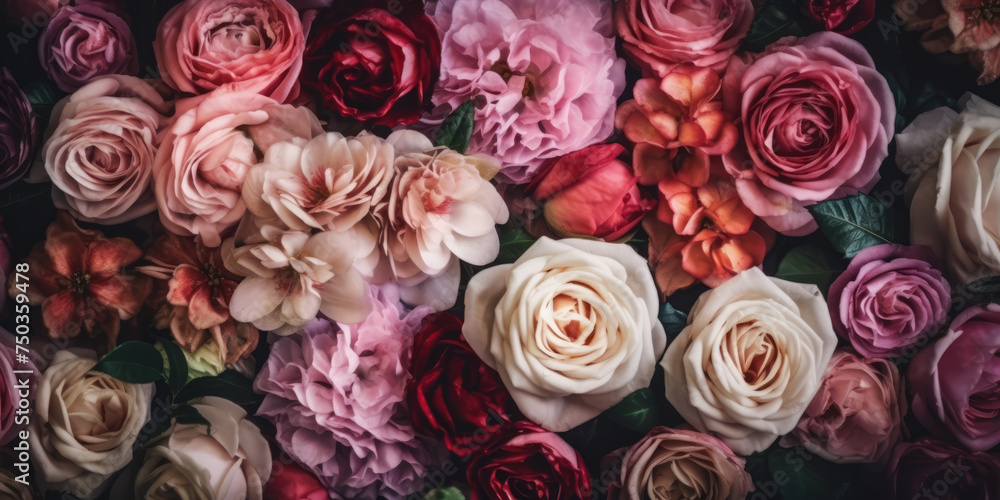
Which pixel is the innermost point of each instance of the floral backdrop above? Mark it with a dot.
(500, 249)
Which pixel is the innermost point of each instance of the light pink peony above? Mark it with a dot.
(660, 34)
(541, 90)
(206, 153)
(439, 210)
(817, 119)
(99, 156)
(329, 183)
(239, 45)
(856, 416)
(291, 276)
(335, 393)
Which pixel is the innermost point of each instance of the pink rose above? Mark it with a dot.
(889, 299)
(660, 34)
(100, 155)
(956, 380)
(817, 119)
(856, 416)
(242, 45)
(83, 41)
(206, 153)
(667, 461)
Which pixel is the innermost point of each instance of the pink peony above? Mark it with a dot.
(817, 119)
(542, 90)
(239, 45)
(83, 41)
(335, 394)
(206, 153)
(856, 416)
(660, 34)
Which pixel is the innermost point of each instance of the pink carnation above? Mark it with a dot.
(335, 395)
(541, 90)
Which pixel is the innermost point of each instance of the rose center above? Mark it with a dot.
(503, 69)
(572, 316)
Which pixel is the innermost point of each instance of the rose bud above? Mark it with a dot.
(590, 193)
(289, 481)
(843, 16)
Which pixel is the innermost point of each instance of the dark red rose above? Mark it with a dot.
(289, 481)
(453, 395)
(931, 469)
(373, 60)
(842, 16)
(526, 461)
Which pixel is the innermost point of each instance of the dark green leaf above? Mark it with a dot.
(133, 362)
(230, 385)
(449, 493)
(640, 411)
(673, 321)
(42, 94)
(854, 223)
(512, 245)
(177, 365)
(801, 475)
(189, 415)
(811, 264)
(456, 130)
(989, 285)
(772, 22)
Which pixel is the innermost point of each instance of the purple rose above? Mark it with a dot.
(931, 469)
(956, 380)
(18, 130)
(83, 41)
(889, 297)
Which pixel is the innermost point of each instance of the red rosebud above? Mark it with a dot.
(590, 193)
(289, 481)
(842, 16)
(453, 395)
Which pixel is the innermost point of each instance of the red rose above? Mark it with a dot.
(843, 16)
(453, 395)
(526, 461)
(289, 481)
(374, 60)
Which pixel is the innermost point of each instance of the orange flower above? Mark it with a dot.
(676, 124)
(686, 207)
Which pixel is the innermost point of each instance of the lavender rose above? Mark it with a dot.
(931, 469)
(956, 380)
(18, 130)
(856, 415)
(83, 41)
(888, 299)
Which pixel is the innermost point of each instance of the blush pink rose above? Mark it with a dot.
(241, 45)
(83, 41)
(100, 155)
(889, 299)
(956, 381)
(856, 415)
(817, 119)
(658, 35)
(204, 157)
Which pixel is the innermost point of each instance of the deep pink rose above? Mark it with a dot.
(241, 45)
(956, 380)
(929, 469)
(856, 415)
(889, 299)
(817, 119)
(83, 41)
(660, 34)
(843, 16)
(203, 159)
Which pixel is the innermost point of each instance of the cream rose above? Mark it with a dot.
(232, 462)
(84, 423)
(954, 161)
(570, 326)
(750, 360)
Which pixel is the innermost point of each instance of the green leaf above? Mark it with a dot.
(42, 94)
(230, 385)
(772, 22)
(811, 264)
(189, 415)
(801, 475)
(989, 285)
(854, 223)
(133, 362)
(449, 493)
(176, 370)
(640, 411)
(673, 321)
(513, 245)
(456, 130)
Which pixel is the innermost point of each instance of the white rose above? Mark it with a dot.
(954, 161)
(570, 326)
(84, 423)
(750, 360)
(231, 461)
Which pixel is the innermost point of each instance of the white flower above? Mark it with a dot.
(571, 327)
(750, 360)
